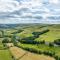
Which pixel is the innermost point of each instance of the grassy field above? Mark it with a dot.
(5, 55)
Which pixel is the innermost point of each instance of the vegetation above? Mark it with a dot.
(37, 38)
(5, 55)
(57, 41)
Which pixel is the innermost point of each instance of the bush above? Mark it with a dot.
(57, 41)
(29, 42)
(39, 33)
(56, 57)
(49, 53)
(5, 40)
(51, 44)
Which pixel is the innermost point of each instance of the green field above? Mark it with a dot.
(5, 55)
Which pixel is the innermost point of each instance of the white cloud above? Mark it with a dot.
(8, 5)
(28, 10)
(54, 1)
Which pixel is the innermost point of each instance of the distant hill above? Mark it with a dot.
(26, 25)
(8, 25)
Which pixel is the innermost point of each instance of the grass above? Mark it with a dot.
(5, 55)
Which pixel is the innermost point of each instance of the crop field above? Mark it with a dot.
(40, 39)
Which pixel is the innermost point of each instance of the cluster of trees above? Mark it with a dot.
(57, 41)
(1, 33)
(49, 53)
(6, 40)
(51, 44)
(14, 40)
(30, 40)
(17, 31)
(39, 33)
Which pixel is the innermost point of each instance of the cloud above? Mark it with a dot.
(29, 11)
(54, 1)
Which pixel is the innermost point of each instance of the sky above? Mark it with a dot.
(29, 11)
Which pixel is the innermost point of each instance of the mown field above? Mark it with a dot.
(36, 38)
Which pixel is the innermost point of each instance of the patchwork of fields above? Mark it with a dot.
(36, 38)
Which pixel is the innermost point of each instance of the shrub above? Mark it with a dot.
(57, 41)
(51, 44)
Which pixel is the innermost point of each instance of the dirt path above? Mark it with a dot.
(21, 54)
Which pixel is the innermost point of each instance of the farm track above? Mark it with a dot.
(21, 54)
